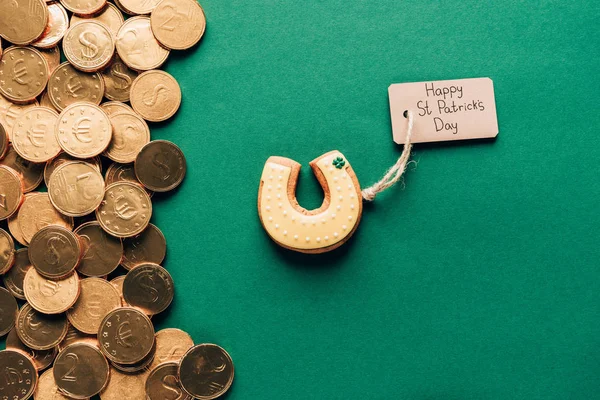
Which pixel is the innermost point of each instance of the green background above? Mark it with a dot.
(477, 278)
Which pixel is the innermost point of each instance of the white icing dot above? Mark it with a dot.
(293, 218)
(349, 217)
(352, 195)
(323, 221)
(268, 208)
(331, 169)
(284, 212)
(280, 177)
(335, 179)
(276, 226)
(269, 187)
(284, 233)
(270, 177)
(279, 205)
(349, 186)
(308, 239)
(339, 208)
(335, 234)
(352, 206)
(344, 227)
(341, 198)
(270, 218)
(339, 189)
(332, 216)
(295, 237)
(268, 197)
(278, 186)
(281, 169)
(278, 195)
(343, 176)
(318, 239)
(326, 237)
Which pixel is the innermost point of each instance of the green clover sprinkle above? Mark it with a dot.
(339, 162)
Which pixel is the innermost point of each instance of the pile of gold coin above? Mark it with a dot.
(81, 262)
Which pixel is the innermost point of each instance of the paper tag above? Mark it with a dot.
(444, 110)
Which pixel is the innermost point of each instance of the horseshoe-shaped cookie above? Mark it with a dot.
(296, 228)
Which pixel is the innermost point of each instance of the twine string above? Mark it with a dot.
(393, 175)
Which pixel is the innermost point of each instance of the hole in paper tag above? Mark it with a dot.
(444, 110)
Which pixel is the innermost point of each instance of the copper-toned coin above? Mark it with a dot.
(81, 371)
(25, 74)
(171, 345)
(7, 251)
(163, 383)
(54, 251)
(89, 46)
(178, 24)
(115, 107)
(155, 95)
(41, 358)
(58, 23)
(68, 85)
(31, 173)
(102, 252)
(118, 284)
(74, 336)
(117, 80)
(3, 141)
(124, 386)
(126, 336)
(141, 366)
(14, 278)
(9, 112)
(125, 210)
(40, 331)
(76, 188)
(63, 158)
(11, 192)
(83, 130)
(10, 309)
(149, 246)
(149, 287)
(15, 228)
(160, 166)
(20, 375)
(117, 172)
(23, 21)
(83, 7)
(33, 135)
(206, 371)
(137, 46)
(50, 296)
(98, 297)
(130, 134)
(138, 7)
(52, 56)
(46, 102)
(110, 16)
(38, 212)
(47, 389)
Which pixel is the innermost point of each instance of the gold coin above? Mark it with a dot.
(138, 7)
(84, 7)
(33, 135)
(149, 246)
(41, 358)
(11, 192)
(97, 298)
(7, 252)
(3, 141)
(117, 80)
(54, 251)
(163, 383)
(76, 188)
(52, 56)
(38, 212)
(58, 23)
(83, 130)
(81, 371)
(155, 95)
(47, 389)
(171, 345)
(124, 386)
(139, 367)
(178, 24)
(117, 172)
(74, 336)
(50, 296)
(102, 252)
(115, 107)
(206, 371)
(149, 287)
(125, 210)
(160, 166)
(14, 278)
(40, 331)
(30, 173)
(110, 16)
(10, 309)
(23, 21)
(126, 336)
(21, 374)
(46, 102)
(137, 46)
(89, 46)
(9, 112)
(63, 158)
(25, 74)
(130, 134)
(67, 86)
(118, 284)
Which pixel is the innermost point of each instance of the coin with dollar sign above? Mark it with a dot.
(117, 80)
